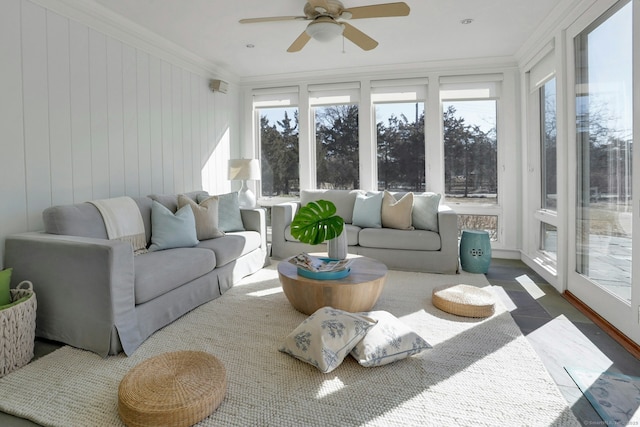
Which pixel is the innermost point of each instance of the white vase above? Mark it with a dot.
(337, 247)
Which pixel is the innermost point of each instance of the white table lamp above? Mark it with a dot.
(243, 170)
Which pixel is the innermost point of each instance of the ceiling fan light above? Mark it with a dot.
(324, 31)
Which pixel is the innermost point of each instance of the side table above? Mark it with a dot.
(475, 251)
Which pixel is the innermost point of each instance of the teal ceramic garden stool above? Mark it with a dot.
(475, 251)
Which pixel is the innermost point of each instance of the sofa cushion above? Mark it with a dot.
(157, 273)
(352, 234)
(389, 238)
(82, 219)
(425, 211)
(170, 230)
(229, 217)
(396, 213)
(232, 246)
(343, 199)
(206, 216)
(367, 210)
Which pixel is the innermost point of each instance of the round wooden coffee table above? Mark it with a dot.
(359, 291)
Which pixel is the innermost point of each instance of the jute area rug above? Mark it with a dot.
(479, 372)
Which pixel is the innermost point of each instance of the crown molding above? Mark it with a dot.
(101, 19)
(562, 15)
(415, 69)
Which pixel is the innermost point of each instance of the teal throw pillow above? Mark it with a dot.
(366, 210)
(5, 281)
(229, 218)
(425, 211)
(172, 231)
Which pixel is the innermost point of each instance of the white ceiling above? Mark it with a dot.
(432, 32)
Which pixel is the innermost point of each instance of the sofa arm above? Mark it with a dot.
(256, 220)
(84, 287)
(448, 230)
(281, 216)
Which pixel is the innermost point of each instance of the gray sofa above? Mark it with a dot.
(94, 294)
(412, 250)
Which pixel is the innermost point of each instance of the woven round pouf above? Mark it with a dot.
(464, 300)
(173, 389)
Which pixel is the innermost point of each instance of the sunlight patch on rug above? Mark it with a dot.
(480, 372)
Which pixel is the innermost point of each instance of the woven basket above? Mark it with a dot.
(175, 389)
(18, 329)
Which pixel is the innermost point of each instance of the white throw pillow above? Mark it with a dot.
(389, 340)
(367, 210)
(326, 337)
(425, 211)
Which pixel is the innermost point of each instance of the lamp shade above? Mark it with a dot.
(242, 169)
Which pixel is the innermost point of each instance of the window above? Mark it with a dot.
(400, 146)
(604, 134)
(488, 223)
(400, 134)
(279, 152)
(548, 149)
(335, 112)
(337, 156)
(277, 115)
(470, 138)
(471, 151)
(549, 240)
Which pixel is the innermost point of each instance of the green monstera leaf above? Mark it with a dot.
(316, 222)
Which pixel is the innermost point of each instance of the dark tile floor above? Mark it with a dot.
(559, 333)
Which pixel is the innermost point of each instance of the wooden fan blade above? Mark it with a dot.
(299, 43)
(272, 19)
(379, 10)
(358, 37)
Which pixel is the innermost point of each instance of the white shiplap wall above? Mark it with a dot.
(85, 116)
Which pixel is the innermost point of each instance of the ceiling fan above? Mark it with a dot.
(327, 21)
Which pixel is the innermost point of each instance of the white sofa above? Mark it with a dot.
(404, 249)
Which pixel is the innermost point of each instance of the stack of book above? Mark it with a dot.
(320, 265)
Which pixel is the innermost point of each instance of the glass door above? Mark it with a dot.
(604, 156)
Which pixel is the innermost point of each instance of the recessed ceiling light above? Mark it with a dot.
(250, 45)
(466, 21)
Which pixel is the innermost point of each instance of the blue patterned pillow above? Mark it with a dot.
(326, 337)
(389, 340)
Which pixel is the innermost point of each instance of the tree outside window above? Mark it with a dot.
(471, 151)
(279, 151)
(401, 148)
(337, 148)
(548, 136)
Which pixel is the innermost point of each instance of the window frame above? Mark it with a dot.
(474, 88)
(386, 92)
